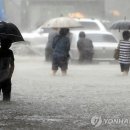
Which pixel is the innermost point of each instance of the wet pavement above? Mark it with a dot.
(90, 97)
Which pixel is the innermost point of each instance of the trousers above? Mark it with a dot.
(5, 87)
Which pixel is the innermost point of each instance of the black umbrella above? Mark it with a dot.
(121, 25)
(10, 31)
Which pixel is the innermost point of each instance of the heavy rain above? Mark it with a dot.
(91, 88)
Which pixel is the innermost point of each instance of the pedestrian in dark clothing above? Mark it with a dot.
(85, 47)
(61, 47)
(9, 33)
(48, 49)
(6, 68)
(124, 53)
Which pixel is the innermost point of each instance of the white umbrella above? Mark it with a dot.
(61, 22)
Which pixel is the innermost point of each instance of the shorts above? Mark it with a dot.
(61, 62)
(124, 67)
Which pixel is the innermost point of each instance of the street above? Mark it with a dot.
(41, 101)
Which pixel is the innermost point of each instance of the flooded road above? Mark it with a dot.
(43, 102)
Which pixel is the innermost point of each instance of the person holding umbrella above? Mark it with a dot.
(9, 33)
(124, 53)
(6, 68)
(48, 49)
(61, 47)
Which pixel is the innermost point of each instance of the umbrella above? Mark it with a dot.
(61, 22)
(121, 25)
(10, 31)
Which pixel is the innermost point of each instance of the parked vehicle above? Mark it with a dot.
(37, 39)
(40, 35)
(92, 24)
(104, 44)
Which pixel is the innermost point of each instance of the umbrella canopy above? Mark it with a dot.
(62, 22)
(10, 31)
(121, 25)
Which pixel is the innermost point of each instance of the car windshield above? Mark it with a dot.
(90, 25)
(101, 38)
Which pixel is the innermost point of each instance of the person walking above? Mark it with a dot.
(124, 53)
(48, 49)
(61, 47)
(9, 33)
(85, 47)
(6, 68)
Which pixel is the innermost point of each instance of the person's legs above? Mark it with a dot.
(125, 73)
(89, 57)
(126, 69)
(6, 89)
(64, 72)
(48, 54)
(64, 66)
(122, 67)
(54, 65)
(81, 57)
(54, 72)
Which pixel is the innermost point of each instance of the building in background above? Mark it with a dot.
(29, 14)
(117, 9)
(36, 12)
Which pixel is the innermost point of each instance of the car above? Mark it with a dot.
(92, 24)
(104, 41)
(39, 37)
(104, 44)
